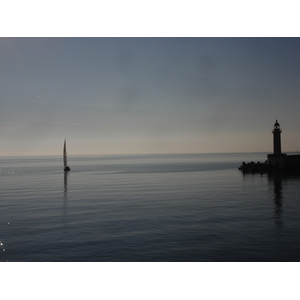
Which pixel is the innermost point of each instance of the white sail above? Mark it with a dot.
(67, 168)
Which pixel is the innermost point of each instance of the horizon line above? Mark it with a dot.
(131, 154)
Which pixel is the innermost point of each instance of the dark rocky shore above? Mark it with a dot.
(266, 167)
(253, 167)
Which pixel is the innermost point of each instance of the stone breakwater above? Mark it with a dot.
(253, 167)
(288, 163)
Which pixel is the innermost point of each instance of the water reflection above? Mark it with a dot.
(285, 184)
(66, 174)
(65, 182)
(277, 178)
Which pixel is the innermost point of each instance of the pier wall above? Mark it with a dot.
(293, 161)
(277, 161)
(284, 161)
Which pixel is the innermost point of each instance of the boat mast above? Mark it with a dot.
(65, 154)
(67, 168)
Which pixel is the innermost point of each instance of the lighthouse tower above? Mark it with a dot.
(278, 160)
(282, 161)
(276, 139)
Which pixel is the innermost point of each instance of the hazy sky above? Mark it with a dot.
(148, 95)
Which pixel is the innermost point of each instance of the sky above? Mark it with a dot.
(147, 95)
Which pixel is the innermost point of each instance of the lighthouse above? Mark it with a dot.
(276, 160)
(276, 139)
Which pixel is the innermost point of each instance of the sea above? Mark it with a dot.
(147, 208)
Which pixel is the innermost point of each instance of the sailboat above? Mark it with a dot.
(67, 168)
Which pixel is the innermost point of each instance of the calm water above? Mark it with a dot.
(195, 207)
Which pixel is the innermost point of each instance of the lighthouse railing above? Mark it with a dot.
(292, 153)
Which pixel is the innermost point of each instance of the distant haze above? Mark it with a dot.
(148, 95)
